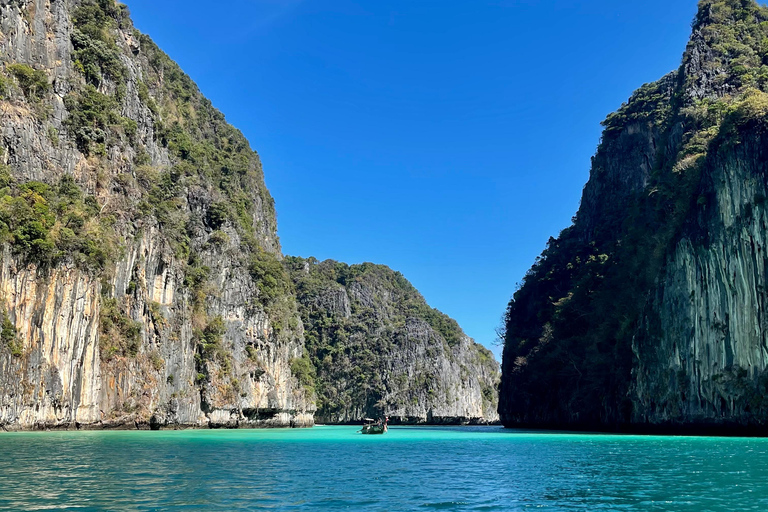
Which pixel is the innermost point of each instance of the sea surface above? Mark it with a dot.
(416, 468)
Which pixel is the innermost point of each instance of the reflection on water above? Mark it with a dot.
(333, 468)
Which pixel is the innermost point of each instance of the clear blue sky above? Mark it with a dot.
(446, 139)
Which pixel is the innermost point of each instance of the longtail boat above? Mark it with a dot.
(374, 427)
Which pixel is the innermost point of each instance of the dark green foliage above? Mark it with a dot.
(445, 325)
(92, 119)
(737, 33)
(53, 136)
(409, 302)
(33, 82)
(119, 336)
(8, 336)
(8, 330)
(146, 99)
(96, 58)
(303, 369)
(210, 348)
(210, 340)
(489, 394)
(217, 215)
(275, 292)
(196, 276)
(3, 87)
(163, 200)
(49, 224)
(142, 158)
(750, 106)
(94, 17)
(252, 353)
(95, 52)
(270, 277)
(5, 176)
(218, 239)
(649, 103)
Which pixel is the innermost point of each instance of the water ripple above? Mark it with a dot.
(332, 468)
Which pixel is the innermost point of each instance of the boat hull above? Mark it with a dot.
(373, 429)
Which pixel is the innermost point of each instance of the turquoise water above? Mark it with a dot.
(333, 468)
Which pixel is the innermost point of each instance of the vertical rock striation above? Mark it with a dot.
(702, 355)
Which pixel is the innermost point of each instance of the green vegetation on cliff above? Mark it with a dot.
(51, 223)
(96, 54)
(94, 121)
(569, 328)
(206, 151)
(734, 32)
(33, 82)
(8, 336)
(118, 334)
(358, 320)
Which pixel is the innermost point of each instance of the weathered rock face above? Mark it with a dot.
(702, 355)
(142, 305)
(59, 315)
(379, 349)
(649, 312)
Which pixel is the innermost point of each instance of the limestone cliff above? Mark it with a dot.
(702, 353)
(376, 348)
(649, 312)
(141, 276)
(136, 231)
